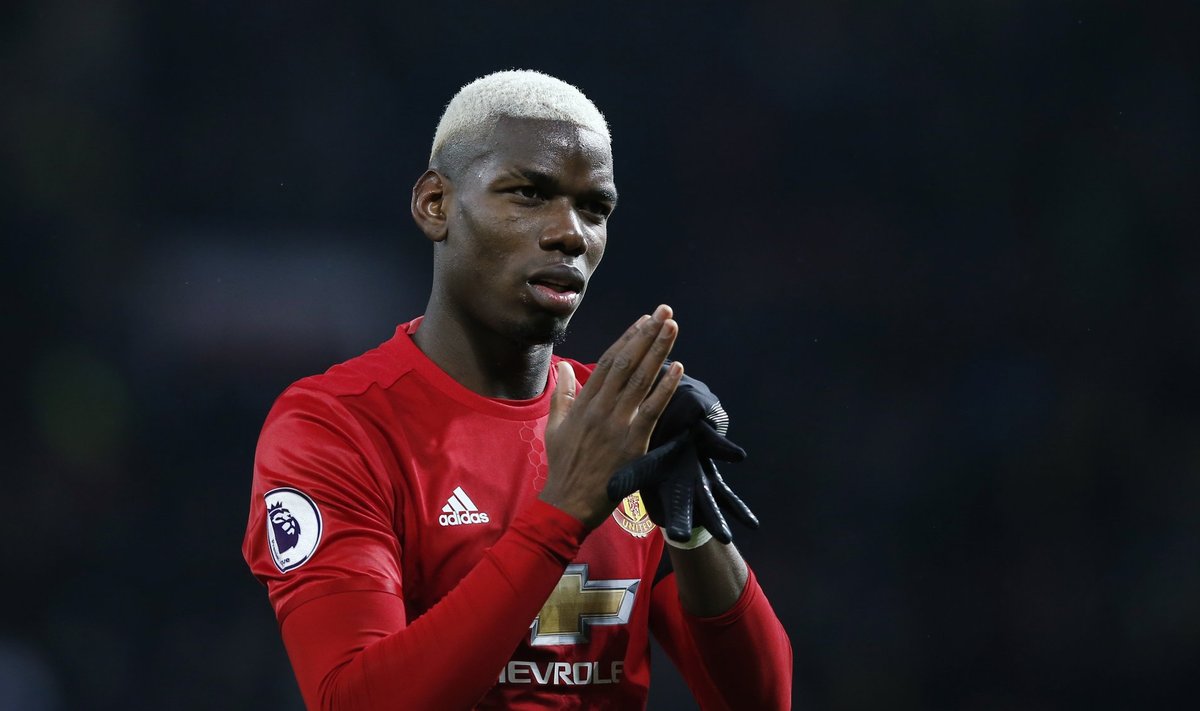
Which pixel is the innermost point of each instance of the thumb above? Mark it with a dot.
(564, 394)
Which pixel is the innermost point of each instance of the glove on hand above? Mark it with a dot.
(681, 487)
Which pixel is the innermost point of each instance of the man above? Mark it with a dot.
(415, 508)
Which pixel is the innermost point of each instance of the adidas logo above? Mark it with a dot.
(461, 511)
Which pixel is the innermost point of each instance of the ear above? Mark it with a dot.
(429, 198)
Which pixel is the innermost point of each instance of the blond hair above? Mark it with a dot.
(518, 93)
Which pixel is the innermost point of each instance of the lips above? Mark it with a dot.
(557, 288)
(559, 278)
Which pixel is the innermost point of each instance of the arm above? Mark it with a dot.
(739, 657)
(353, 650)
(342, 611)
(710, 615)
(710, 577)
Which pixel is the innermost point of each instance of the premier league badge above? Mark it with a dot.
(293, 527)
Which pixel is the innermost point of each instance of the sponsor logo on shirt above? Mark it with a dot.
(578, 603)
(631, 515)
(561, 673)
(461, 511)
(293, 527)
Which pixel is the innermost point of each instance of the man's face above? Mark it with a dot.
(526, 227)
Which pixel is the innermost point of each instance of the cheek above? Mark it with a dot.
(596, 248)
(490, 233)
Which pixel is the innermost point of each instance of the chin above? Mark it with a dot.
(548, 330)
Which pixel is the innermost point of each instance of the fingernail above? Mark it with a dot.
(660, 314)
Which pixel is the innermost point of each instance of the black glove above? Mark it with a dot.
(681, 487)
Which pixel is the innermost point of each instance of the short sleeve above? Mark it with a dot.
(322, 510)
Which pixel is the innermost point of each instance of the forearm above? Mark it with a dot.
(451, 655)
(710, 577)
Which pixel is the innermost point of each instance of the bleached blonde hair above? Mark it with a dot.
(517, 93)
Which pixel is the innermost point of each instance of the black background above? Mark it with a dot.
(937, 258)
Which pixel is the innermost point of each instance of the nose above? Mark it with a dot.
(564, 232)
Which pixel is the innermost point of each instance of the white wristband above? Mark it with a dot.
(700, 536)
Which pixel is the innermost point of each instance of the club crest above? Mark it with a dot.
(293, 527)
(631, 515)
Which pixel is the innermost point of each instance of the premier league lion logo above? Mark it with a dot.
(287, 528)
(293, 525)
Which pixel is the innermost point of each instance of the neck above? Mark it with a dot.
(483, 361)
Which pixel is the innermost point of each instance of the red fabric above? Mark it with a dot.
(740, 659)
(407, 554)
(355, 651)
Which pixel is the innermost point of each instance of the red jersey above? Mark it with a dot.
(395, 523)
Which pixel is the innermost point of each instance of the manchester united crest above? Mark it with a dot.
(631, 515)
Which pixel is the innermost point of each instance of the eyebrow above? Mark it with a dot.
(538, 177)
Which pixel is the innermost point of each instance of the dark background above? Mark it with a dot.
(938, 259)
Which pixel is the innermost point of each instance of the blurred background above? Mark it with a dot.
(939, 260)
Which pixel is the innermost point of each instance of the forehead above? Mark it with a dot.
(549, 146)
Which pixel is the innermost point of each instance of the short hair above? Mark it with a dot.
(517, 93)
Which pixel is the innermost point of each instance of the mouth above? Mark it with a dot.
(560, 278)
(557, 288)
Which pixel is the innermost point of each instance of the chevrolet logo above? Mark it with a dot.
(578, 603)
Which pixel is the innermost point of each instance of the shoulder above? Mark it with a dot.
(383, 365)
(330, 397)
(318, 432)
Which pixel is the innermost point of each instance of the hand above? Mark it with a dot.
(697, 409)
(680, 484)
(609, 423)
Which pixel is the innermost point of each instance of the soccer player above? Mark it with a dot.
(431, 518)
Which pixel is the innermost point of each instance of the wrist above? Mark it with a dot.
(578, 510)
(700, 536)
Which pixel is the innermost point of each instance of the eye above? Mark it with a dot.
(600, 209)
(528, 192)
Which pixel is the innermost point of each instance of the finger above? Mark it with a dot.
(600, 372)
(626, 361)
(654, 506)
(646, 471)
(645, 372)
(680, 492)
(710, 514)
(732, 502)
(654, 404)
(715, 445)
(563, 396)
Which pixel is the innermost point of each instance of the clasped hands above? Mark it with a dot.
(635, 401)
